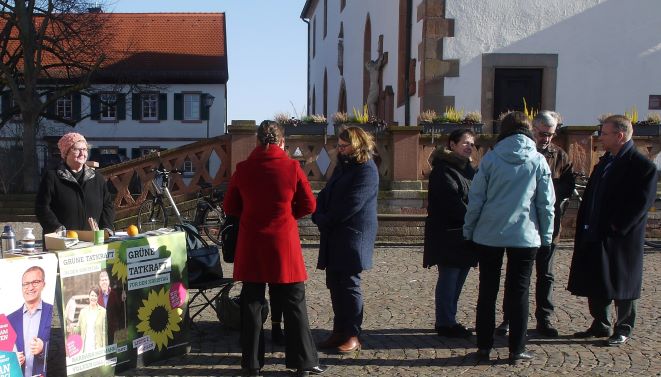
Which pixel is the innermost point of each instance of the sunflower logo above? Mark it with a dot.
(157, 318)
(119, 267)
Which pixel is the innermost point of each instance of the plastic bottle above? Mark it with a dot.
(8, 240)
(27, 243)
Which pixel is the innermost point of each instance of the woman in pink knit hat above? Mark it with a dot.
(72, 193)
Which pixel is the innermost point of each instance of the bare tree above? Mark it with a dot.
(49, 49)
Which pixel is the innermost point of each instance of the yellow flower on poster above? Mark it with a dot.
(119, 268)
(157, 318)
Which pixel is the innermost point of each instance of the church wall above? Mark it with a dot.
(608, 51)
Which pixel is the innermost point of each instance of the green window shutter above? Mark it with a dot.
(204, 111)
(162, 106)
(121, 106)
(95, 107)
(135, 106)
(76, 103)
(178, 106)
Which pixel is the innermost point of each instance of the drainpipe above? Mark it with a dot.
(307, 89)
(407, 71)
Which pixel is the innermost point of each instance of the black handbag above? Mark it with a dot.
(203, 263)
(229, 236)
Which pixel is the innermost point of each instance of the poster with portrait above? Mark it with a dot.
(123, 304)
(28, 294)
(93, 304)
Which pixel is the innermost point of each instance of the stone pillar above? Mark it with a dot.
(405, 159)
(244, 140)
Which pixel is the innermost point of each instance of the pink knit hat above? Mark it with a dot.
(67, 141)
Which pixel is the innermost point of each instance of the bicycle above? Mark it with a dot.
(579, 187)
(209, 216)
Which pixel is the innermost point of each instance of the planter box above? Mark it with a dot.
(447, 128)
(646, 129)
(373, 128)
(305, 129)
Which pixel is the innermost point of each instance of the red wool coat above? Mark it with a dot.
(269, 191)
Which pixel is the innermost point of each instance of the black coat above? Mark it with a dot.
(346, 218)
(62, 201)
(447, 197)
(608, 256)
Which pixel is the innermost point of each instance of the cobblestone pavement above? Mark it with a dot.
(399, 340)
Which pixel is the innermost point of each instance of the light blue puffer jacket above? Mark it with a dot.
(510, 203)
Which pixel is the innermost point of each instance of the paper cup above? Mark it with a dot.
(99, 237)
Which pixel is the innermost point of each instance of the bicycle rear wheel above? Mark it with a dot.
(214, 218)
(151, 216)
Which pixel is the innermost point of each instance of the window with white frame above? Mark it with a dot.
(188, 168)
(150, 106)
(108, 106)
(64, 107)
(192, 106)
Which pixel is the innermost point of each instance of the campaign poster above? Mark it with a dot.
(28, 294)
(154, 268)
(124, 304)
(94, 305)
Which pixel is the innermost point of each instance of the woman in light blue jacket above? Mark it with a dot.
(510, 209)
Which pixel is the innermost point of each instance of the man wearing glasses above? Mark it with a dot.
(607, 264)
(32, 322)
(545, 124)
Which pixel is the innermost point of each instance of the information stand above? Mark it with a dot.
(140, 319)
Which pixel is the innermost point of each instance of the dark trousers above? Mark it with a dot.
(300, 350)
(543, 286)
(347, 301)
(276, 307)
(600, 310)
(517, 286)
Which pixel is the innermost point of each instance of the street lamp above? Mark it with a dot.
(208, 102)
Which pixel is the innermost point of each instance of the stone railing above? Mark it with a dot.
(403, 158)
(131, 180)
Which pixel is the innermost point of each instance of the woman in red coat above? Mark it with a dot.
(269, 191)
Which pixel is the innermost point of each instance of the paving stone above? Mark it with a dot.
(399, 338)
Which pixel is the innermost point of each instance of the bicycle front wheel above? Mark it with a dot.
(151, 216)
(214, 219)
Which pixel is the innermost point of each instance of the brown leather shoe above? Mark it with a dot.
(352, 344)
(334, 340)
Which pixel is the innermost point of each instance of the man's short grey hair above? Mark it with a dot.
(622, 124)
(547, 118)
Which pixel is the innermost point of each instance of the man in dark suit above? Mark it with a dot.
(36, 315)
(113, 302)
(607, 264)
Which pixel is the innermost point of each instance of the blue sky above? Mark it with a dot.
(266, 48)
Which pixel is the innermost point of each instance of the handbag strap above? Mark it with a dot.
(194, 234)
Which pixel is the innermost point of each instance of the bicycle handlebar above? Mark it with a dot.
(165, 171)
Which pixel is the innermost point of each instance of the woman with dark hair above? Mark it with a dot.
(268, 192)
(447, 198)
(510, 210)
(346, 218)
(92, 322)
